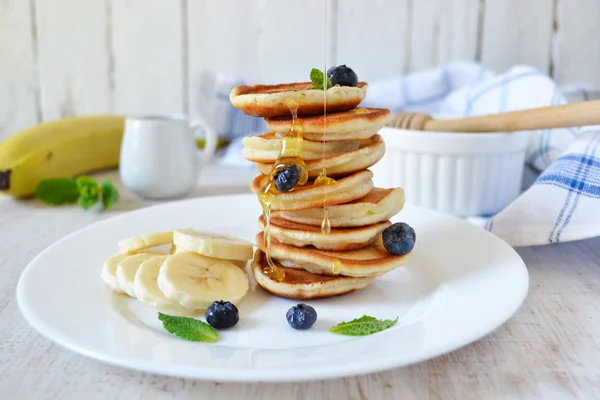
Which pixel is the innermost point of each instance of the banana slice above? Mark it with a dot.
(146, 241)
(239, 263)
(195, 281)
(109, 271)
(127, 269)
(212, 245)
(147, 291)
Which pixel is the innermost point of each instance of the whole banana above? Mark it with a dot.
(63, 148)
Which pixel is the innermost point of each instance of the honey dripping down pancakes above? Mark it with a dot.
(325, 229)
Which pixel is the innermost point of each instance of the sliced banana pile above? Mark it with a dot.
(200, 269)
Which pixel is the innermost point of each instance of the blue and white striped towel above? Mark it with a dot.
(563, 204)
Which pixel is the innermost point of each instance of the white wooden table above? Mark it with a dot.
(550, 349)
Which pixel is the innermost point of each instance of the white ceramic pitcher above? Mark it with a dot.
(159, 157)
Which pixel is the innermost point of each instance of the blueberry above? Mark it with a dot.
(342, 75)
(301, 316)
(222, 315)
(399, 238)
(287, 177)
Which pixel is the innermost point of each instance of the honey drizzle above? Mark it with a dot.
(266, 197)
(336, 267)
(323, 179)
(291, 147)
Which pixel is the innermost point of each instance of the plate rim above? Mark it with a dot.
(198, 372)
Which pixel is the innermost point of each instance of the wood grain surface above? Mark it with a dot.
(549, 350)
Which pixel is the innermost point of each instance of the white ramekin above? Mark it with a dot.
(463, 174)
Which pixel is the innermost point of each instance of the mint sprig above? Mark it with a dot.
(84, 190)
(189, 328)
(88, 192)
(316, 77)
(364, 325)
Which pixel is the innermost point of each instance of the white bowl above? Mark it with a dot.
(463, 174)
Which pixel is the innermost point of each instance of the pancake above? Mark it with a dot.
(303, 285)
(308, 195)
(276, 100)
(378, 205)
(373, 260)
(361, 123)
(370, 152)
(267, 147)
(339, 239)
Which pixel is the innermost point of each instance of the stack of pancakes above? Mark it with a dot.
(346, 144)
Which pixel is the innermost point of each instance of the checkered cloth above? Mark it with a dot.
(561, 205)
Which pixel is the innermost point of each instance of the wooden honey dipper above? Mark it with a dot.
(562, 116)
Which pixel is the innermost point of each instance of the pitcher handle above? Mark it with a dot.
(210, 140)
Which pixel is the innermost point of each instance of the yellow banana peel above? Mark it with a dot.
(62, 148)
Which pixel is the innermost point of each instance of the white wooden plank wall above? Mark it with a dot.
(518, 31)
(68, 57)
(577, 42)
(442, 31)
(373, 50)
(291, 40)
(19, 106)
(212, 33)
(147, 45)
(73, 57)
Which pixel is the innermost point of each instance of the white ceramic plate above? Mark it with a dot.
(460, 284)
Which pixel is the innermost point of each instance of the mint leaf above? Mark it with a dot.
(84, 190)
(316, 77)
(87, 202)
(110, 194)
(57, 191)
(189, 328)
(364, 325)
(87, 186)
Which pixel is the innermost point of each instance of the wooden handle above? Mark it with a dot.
(563, 116)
